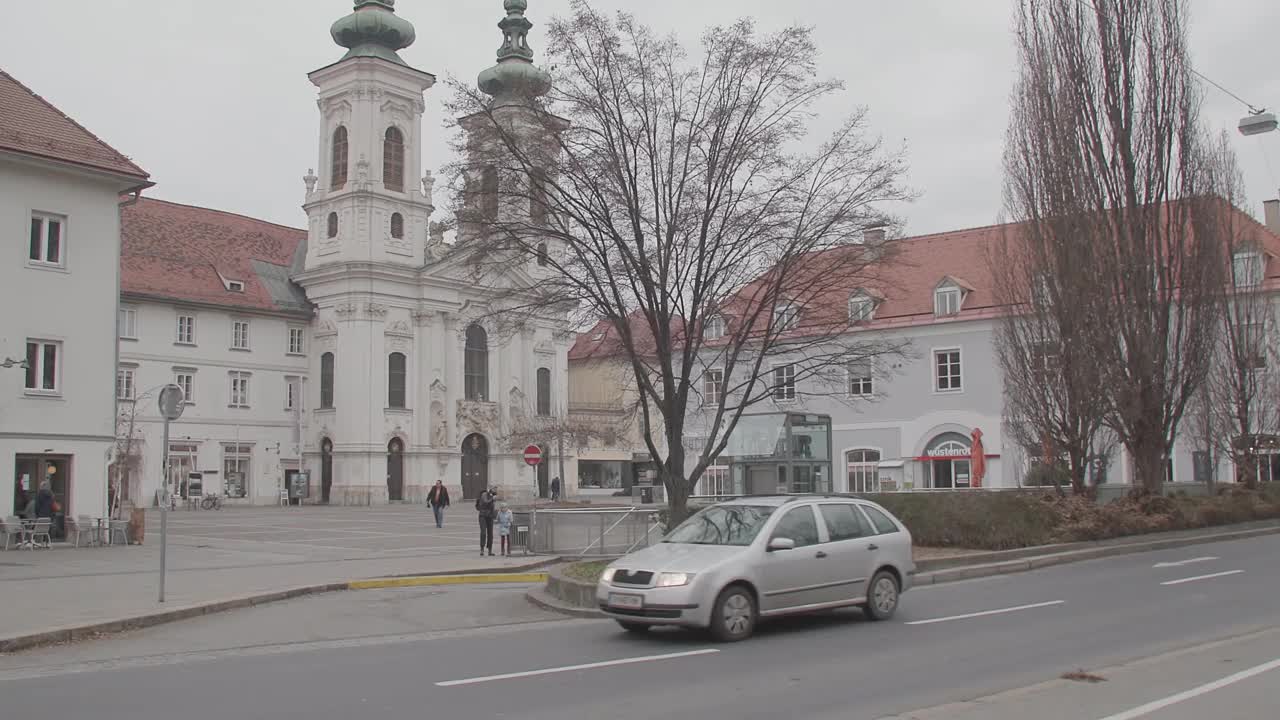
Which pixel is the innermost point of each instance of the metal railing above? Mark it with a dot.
(592, 531)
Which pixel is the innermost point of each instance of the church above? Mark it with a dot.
(360, 356)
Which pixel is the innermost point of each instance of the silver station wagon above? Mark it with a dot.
(736, 562)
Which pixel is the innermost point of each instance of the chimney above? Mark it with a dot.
(1272, 212)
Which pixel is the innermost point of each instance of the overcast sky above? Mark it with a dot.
(211, 96)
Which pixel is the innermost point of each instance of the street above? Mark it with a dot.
(949, 643)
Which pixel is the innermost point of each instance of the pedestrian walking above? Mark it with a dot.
(438, 499)
(505, 518)
(487, 511)
(555, 488)
(44, 501)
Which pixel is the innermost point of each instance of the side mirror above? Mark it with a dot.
(781, 543)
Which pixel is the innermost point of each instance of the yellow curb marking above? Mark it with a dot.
(447, 580)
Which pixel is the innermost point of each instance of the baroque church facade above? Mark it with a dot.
(410, 378)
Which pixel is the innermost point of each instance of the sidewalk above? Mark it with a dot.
(214, 556)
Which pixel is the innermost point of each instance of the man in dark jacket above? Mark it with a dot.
(438, 499)
(486, 507)
(44, 501)
(555, 488)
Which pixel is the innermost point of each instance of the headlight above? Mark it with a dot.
(607, 575)
(674, 579)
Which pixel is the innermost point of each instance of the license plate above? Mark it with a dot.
(633, 602)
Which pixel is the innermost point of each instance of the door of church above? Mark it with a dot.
(475, 466)
(395, 470)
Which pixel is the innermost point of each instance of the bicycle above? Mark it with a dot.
(212, 502)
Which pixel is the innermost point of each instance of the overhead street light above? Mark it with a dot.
(1257, 123)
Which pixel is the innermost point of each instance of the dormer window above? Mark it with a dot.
(946, 301)
(861, 308)
(714, 328)
(785, 317)
(1247, 269)
(235, 286)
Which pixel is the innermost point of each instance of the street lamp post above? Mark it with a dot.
(1258, 123)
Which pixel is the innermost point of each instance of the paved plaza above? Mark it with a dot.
(221, 554)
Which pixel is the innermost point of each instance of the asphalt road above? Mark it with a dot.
(949, 643)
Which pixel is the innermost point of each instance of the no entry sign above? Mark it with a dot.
(533, 455)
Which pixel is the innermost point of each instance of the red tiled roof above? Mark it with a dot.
(603, 340)
(178, 252)
(29, 124)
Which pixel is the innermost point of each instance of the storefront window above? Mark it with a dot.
(182, 462)
(600, 474)
(236, 466)
(863, 467)
(947, 462)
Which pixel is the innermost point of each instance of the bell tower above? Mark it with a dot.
(370, 201)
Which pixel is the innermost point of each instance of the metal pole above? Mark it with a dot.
(164, 507)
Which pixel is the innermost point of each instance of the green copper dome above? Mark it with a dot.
(374, 30)
(515, 78)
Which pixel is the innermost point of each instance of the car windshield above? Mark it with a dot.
(722, 525)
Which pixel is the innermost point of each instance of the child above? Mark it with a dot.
(505, 518)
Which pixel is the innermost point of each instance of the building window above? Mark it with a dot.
(489, 193)
(861, 309)
(296, 346)
(125, 388)
(43, 366)
(240, 335)
(946, 301)
(1252, 346)
(947, 370)
(1247, 269)
(393, 160)
(543, 257)
(397, 226)
(236, 465)
(339, 159)
(717, 480)
(713, 387)
(544, 392)
(332, 230)
(863, 468)
(714, 328)
(476, 364)
(397, 380)
(240, 389)
(48, 240)
(128, 323)
(326, 381)
(186, 380)
(784, 382)
(538, 198)
(785, 317)
(860, 379)
(1044, 363)
(290, 393)
(186, 329)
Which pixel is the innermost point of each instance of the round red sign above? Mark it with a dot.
(533, 455)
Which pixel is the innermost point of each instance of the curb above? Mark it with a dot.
(1036, 562)
(75, 633)
(541, 598)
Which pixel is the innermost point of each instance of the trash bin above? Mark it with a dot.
(646, 494)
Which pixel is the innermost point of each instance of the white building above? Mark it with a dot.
(60, 192)
(907, 423)
(206, 304)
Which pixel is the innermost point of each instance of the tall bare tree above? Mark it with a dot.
(1108, 160)
(649, 184)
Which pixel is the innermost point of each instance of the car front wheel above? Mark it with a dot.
(733, 617)
(882, 596)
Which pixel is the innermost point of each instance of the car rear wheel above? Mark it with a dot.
(882, 596)
(633, 627)
(733, 617)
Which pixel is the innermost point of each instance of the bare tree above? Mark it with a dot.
(1240, 391)
(1108, 161)
(127, 458)
(671, 190)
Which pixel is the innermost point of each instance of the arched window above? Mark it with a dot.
(338, 178)
(476, 364)
(397, 226)
(863, 468)
(543, 256)
(393, 160)
(326, 381)
(544, 392)
(489, 193)
(333, 225)
(397, 380)
(538, 197)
